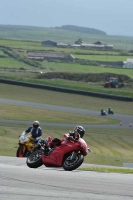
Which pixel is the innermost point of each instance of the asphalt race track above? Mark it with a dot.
(17, 181)
(126, 119)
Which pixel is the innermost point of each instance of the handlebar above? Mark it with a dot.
(71, 138)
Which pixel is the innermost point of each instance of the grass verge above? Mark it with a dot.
(108, 170)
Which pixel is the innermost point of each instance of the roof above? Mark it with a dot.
(35, 57)
(75, 45)
(91, 45)
(49, 41)
(129, 60)
(99, 43)
(61, 44)
(45, 54)
(48, 55)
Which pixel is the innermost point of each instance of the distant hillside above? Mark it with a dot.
(65, 34)
(82, 29)
(20, 28)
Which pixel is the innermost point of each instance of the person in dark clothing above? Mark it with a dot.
(110, 111)
(35, 131)
(103, 112)
(78, 132)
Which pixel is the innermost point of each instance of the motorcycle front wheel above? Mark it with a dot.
(72, 164)
(34, 160)
(21, 151)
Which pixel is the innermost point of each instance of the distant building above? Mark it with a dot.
(92, 46)
(78, 44)
(62, 45)
(97, 45)
(79, 41)
(49, 43)
(75, 46)
(128, 63)
(40, 55)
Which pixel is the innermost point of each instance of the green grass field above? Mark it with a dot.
(109, 147)
(72, 67)
(12, 64)
(105, 58)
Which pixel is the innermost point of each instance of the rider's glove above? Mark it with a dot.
(68, 138)
(71, 133)
(25, 133)
(35, 141)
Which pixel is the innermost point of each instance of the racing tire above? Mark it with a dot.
(70, 165)
(35, 159)
(21, 151)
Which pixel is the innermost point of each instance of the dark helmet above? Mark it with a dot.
(36, 124)
(79, 130)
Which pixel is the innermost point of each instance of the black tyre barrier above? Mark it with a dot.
(59, 89)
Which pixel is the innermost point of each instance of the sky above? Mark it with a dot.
(112, 16)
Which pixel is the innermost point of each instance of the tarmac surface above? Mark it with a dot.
(17, 181)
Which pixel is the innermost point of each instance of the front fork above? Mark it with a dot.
(74, 154)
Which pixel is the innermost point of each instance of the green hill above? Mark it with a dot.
(82, 29)
(65, 34)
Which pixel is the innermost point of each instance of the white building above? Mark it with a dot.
(96, 45)
(128, 63)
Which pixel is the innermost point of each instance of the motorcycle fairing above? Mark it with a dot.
(57, 156)
(27, 142)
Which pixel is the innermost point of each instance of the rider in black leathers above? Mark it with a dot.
(78, 131)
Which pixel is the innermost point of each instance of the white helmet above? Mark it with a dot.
(36, 124)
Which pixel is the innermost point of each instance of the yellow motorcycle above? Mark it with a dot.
(26, 145)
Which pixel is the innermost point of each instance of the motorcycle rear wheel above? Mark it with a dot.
(35, 159)
(70, 165)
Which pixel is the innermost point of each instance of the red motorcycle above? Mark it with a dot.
(69, 154)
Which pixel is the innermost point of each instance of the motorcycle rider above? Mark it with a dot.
(78, 132)
(35, 131)
(110, 110)
(103, 112)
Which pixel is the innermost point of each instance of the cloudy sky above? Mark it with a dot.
(112, 16)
